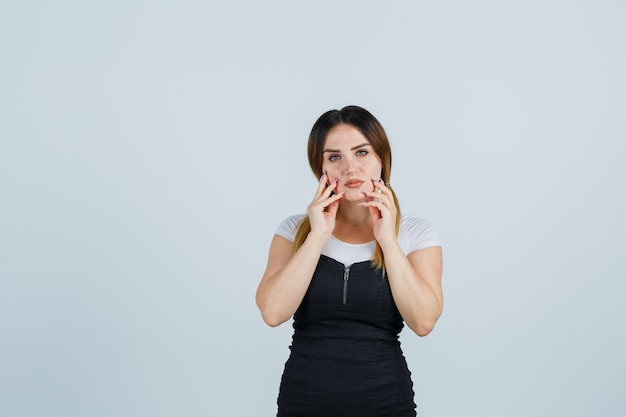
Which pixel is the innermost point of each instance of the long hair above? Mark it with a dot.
(373, 131)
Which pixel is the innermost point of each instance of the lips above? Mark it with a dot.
(353, 183)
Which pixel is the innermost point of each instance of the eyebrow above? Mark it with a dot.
(353, 148)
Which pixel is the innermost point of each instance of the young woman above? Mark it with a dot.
(350, 272)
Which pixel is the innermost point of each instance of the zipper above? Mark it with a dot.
(346, 276)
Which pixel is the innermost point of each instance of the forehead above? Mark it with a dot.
(344, 135)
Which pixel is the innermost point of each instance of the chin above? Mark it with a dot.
(353, 195)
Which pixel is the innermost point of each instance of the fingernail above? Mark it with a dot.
(364, 193)
(336, 180)
(323, 173)
(376, 179)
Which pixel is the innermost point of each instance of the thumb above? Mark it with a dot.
(375, 213)
(332, 208)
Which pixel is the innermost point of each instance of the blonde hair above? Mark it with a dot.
(373, 131)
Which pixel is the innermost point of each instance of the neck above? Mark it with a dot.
(352, 214)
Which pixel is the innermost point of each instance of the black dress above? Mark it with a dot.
(345, 355)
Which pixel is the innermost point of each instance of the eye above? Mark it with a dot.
(333, 157)
(361, 152)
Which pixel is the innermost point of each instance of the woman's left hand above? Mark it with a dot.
(383, 210)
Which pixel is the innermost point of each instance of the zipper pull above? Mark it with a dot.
(346, 276)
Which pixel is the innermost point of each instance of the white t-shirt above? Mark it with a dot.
(414, 234)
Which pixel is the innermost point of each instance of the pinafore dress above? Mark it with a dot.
(345, 355)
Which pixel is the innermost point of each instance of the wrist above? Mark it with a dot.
(317, 237)
(389, 244)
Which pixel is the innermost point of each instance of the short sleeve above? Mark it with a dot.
(288, 227)
(417, 234)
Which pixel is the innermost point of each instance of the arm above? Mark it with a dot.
(288, 274)
(415, 282)
(287, 277)
(415, 279)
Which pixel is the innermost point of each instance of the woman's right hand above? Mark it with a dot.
(288, 273)
(323, 209)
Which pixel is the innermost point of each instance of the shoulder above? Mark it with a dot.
(415, 224)
(417, 233)
(289, 226)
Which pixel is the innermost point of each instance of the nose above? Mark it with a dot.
(351, 165)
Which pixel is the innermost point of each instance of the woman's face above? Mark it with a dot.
(350, 159)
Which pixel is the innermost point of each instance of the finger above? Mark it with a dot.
(330, 188)
(332, 199)
(377, 204)
(323, 183)
(379, 184)
(332, 207)
(375, 213)
(379, 197)
(337, 197)
(324, 190)
(331, 204)
(381, 188)
(324, 201)
(374, 207)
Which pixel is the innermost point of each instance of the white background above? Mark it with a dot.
(149, 149)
